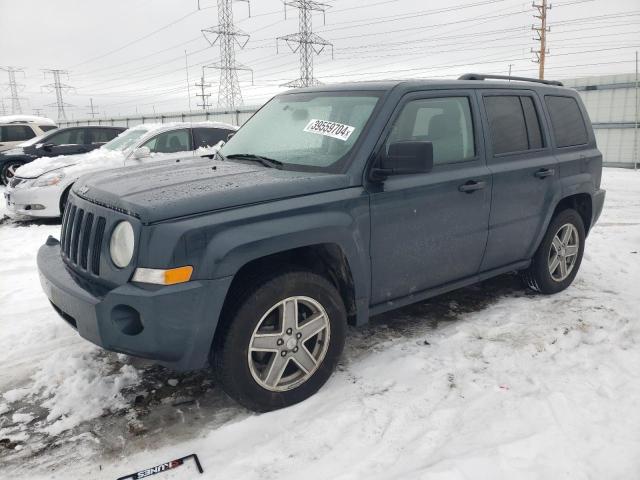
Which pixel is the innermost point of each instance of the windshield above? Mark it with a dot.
(125, 140)
(307, 131)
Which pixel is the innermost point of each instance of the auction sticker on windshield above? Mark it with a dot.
(329, 129)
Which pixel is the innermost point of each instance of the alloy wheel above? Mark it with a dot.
(563, 252)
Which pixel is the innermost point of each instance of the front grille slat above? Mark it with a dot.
(69, 231)
(77, 226)
(84, 245)
(63, 227)
(96, 248)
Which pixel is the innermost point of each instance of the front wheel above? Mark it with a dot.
(8, 171)
(282, 340)
(558, 258)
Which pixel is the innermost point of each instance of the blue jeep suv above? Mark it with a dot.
(331, 204)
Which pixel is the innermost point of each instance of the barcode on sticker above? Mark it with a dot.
(329, 129)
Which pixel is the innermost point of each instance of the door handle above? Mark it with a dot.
(545, 172)
(471, 186)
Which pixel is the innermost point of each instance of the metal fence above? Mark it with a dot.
(234, 117)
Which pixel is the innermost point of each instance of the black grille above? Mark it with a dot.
(81, 238)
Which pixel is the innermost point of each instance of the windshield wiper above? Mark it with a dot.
(266, 161)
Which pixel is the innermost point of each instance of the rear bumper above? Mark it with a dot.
(597, 202)
(172, 325)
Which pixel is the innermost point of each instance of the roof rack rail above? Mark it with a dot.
(480, 76)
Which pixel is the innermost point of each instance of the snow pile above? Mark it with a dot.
(26, 118)
(490, 382)
(98, 159)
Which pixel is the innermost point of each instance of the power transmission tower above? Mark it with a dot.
(92, 109)
(541, 31)
(59, 88)
(13, 88)
(227, 36)
(204, 97)
(305, 41)
(3, 110)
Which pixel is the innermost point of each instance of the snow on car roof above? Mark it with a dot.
(26, 118)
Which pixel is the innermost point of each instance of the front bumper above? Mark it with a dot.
(33, 202)
(178, 322)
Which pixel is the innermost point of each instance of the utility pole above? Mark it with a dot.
(92, 109)
(227, 36)
(635, 127)
(541, 31)
(59, 88)
(204, 97)
(13, 88)
(37, 112)
(510, 65)
(305, 42)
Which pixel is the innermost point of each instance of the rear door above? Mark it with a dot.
(431, 229)
(525, 174)
(96, 137)
(169, 145)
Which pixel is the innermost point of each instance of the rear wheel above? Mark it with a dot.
(558, 258)
(8, 171)
(282, 342)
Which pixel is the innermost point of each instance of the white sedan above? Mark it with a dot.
(40, 188)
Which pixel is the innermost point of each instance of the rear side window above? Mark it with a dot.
(567, 123)
(514, 123)
(16, 133)
(208, 137)
(102, 135)
(445, 122)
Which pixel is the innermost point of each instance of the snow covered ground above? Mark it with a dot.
(490, 382)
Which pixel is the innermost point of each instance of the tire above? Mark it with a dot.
(6, 174)
(546, 274)
(256, 315)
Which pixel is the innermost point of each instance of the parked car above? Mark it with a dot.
(40, 188)
(331, 204)
(63, 141)
(13, 132)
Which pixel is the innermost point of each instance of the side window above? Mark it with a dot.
(73, 136)
(46, 128)
(507, 125)
(17, 133)
(533, 123)
(446, 122)
(170, 142)
(102, 135)
(208, 137)
(568, 125)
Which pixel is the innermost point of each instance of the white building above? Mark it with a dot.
(611, 103)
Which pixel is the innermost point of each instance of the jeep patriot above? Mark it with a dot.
(331, 204)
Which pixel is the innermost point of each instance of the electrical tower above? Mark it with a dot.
(541, 31)
(204, 97)
(3, 110)
(227, 36)
(13, 88)
(305, 41)
(92, 109)
(59, 88)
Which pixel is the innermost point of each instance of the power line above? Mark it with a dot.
(227, 36)
(307, 42)
(59, 89)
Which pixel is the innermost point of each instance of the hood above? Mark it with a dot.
(76, 165)
(169, 190)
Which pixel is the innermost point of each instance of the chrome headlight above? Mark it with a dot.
(49, 179)
(121, 244)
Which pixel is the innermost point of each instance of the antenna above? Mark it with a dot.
(541, 31)
(305, 41)
(227, 36)
(59, 88)
(14, 87)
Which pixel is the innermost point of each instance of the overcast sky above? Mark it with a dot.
(128, 55)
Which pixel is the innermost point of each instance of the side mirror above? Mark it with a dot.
(230, 135)
(142, 152)
(48, 146)
(405, 158)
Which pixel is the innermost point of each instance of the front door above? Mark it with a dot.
(431, 229)
(170, 145)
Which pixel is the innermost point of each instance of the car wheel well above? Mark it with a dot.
(327, 260)
(581, 203)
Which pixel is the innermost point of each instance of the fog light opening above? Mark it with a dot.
(127, 319)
